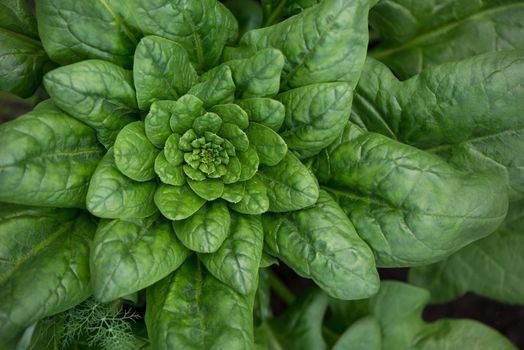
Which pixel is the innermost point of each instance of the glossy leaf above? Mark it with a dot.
(257, 76)
(362, 335)
(255, 200)
(467, 112)
(215, 87)
(134, 154)
(187, 23)
(177, 202)
(321, 243)
(265, 111)
(416, 35)
(157, 122)
(270, 147)
(209, 189)
(127, 256)
(206, 230)
(184, 112)
(168, 173)
(325, 43)
(73, 32)
(48, 268)
(161, 71)
(237, 261)
(231, 113)
(183, 312)
(98, 93)
(113, 195)
(290, 185)
(47, 158)
(234, 192)
(397, 197)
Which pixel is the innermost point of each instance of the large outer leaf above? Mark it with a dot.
(190, 309)
(321, 243)
(419, 34)
(237, 261)
(315, 116)
(75, 31)
(16, 16)
(128, 256)
(469, 112)
(113, 195)
(492, 267)
(161, 71)
(299, 328)
(98, 93)
(290, 185)
(411, 207)
(202, 27)
(47, 158)
(45, 270)
(325, 43)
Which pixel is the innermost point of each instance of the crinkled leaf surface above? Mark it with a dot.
(215, 87)
(491, 267)
(255, 200)
(202, 27)
(270, 147)
(415, 35)
(468, 112)
(75, 31)
(161, 71)
(113, 195)
(397, 197)
(177, 202)
(206, 230)
(290, 185)
(46, 269)
(321, 243)
(315, 116)
(157, 122)
(325, 43)
(134, 154)
(47, 158)
(127, 256)
(265, 111)
(237, 261)
(16, 16)
(191, 309)
(96, 92)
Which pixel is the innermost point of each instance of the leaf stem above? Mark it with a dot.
(280, 288)
(275, 14)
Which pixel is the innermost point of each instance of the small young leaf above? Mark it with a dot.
(265, 111)
(233, 193)
(235, 135)
(255, 200)
(209, 189)
(168, 173)
(215, 87)
(177, 202)
(270, 147)
(157, 122)
(231, 113)
(184, 113)
(249, 162)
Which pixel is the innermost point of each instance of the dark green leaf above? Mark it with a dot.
(157, 122)
(127, 256)
(270, 147)
(249, 162)
(47, 158)
(265, 111)
(363, 335)
(177, 202)
(168, 173)
(215, 87)
(184, 113)
(16, 16)
(234, 192)
(98, 93)
(161, 71)
(231, 113)
(255, 200)
(209, 189)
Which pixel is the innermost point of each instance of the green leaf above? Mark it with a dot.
(184, 113)
(249, 162)
(177, 202)
(299, 328)
(466, 112)
(168, 173)
(127, 256)
(157, 121)
(47, 158)
(215, 87)
(231, 113)
(210, 122)
(265, 111)
(209, 189)
(73, 32)
(234, 192)
(16, 16)
(315, 116)
(171, 151)
(416, 35)
(322, 244)
(270, 147)
(363, 334)
(255, 200)
(113, 195)
(397, 197)
(183, 312)
(329, 43)
(46, 269)
(22, 62)
(257, 76)
(134, 153)
(290, 185)
(235, 135)
(97, 93)
(201, 27)
(491, 267)
(206, 230)
(247, 12)
(237, 261)
(161, 71)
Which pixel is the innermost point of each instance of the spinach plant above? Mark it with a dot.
(181, 153)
